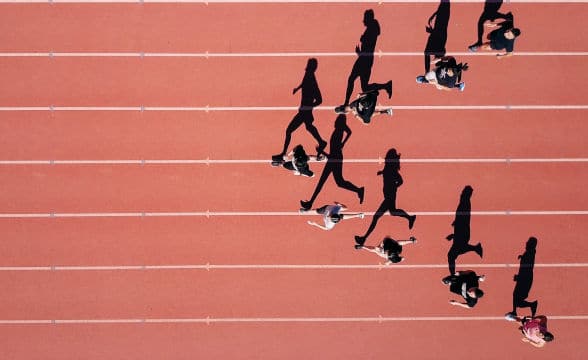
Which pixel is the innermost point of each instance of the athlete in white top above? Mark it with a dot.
(332, 214)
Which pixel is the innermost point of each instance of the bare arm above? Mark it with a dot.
(317, 225)
(457, 303)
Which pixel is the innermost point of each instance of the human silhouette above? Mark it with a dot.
(461, 230)
(490, 13)
(311, 98)
(524, 280)
(437, 39)
(362, 67)
(334, 163)
(392, 181)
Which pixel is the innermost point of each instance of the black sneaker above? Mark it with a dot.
(389, 89)
(421, 79)
(340, 109)
(534, 308)
(479, 250)
(411, 221)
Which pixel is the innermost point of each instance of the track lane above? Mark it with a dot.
(285, 341)
(258, 134)
(231, 28)
(264, 241)
(281, 293)
(165, 188)
(269, 82)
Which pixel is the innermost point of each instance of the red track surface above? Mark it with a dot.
(271, 293)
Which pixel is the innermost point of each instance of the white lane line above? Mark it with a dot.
(207, 2)
(209, 161)
(284, 108)
(209, 267)
(208, 55)
(209, 214)
(211, 320)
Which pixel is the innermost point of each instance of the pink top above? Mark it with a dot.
(532, 329)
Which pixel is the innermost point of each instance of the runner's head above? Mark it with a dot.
(547, 336)
(475, 293)
(368, 16)
(336, 218)
(311, 65)
(341, 121)
(395, 258)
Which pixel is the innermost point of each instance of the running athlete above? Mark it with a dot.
(299, 162)
(364, 107)
(447, 74)
(332, 215)
(389, 249)
(466, 284)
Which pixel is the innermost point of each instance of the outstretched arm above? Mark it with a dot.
(317, 225)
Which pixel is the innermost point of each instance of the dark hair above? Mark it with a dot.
(516, 32)
(547, 336)
(395, 258)
(392, 161)
(531, 244)
(479, 293)
(336, 218)
(312, 64)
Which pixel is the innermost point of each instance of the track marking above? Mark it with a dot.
(208, 55)
(209, 161)
(210, 320)
(209, 267)
(207, 2)
(274, 213)
(285, 108)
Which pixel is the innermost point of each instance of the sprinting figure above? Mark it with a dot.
(332, 215)
(365, 60)
(298, 164)
(311, 98)
(389, 249)
(364, 107)
(435, 47)
(392, 181)
(461, 230)
(466, 284)
(334, 163)
(490, 13)
(446, 76)
(534, 330)
(524, 280)
(502, 38)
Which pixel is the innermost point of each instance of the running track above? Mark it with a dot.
(141, 220)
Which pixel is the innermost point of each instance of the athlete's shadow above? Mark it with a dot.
(310, 98)
(490, 13)
(334, 164)
(461, 230)
(524, 279)
(437, 34)
(362, 68)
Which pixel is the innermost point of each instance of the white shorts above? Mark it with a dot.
(431, 76)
